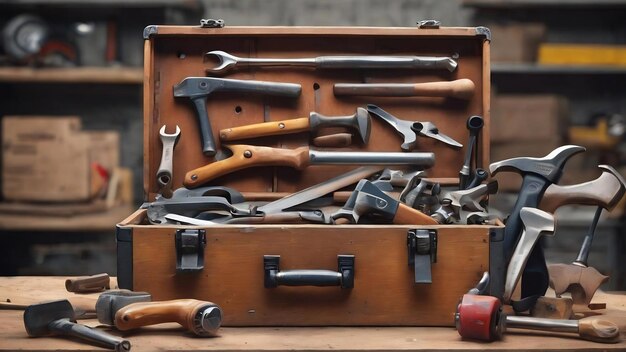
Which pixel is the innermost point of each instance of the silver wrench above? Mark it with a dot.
(228, 62)
(164, 174)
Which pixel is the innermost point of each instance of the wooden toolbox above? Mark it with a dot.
(383, 290)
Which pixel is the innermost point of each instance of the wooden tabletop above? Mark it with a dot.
(16, 292)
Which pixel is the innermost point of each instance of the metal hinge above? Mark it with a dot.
(190, 250)
(422, 252)
(211, 23)
(428, 24)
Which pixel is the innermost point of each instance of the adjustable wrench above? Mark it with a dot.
(164, 174)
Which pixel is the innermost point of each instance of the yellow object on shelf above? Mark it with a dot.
(582, 54)
(597, 136)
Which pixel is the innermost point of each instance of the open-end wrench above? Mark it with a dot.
(411, 129)
(164, 174)
(227, 62)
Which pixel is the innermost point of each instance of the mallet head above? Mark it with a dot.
(549, 167)
(37, 317)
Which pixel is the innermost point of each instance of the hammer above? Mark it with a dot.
(200, 317)
(198, 89)
(605, 192)
(538, 174)
(57, 318)
(359, 121)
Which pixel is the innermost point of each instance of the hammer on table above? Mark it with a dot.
(200, 317)
(199, 88)
(538, 174)
(57, 318)
(605, 192)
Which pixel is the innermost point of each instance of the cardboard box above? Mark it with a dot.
(44, 159)
(525, 118)
(516, 43)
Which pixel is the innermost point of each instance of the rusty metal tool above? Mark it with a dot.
(84, 284)
(246, 156)
(367, 200)
(199, 88)
(165, 171)
(538, 174)
(474, 125)
(359, 122)
(605, 192)
(57, 318)
(481, 317)
(536, 223)
(227, 62)
(459, 89)
(411, 129)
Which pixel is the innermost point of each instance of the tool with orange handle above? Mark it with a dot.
(245, 156)
(459, 89)
(359, 122)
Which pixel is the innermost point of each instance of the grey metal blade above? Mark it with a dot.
(320, 189)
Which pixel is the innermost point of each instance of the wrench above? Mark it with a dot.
(164, 174)
(228, 62)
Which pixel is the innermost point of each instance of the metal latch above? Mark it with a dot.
(422, 252)
(190, 250)
(428, 24)
(211, 23)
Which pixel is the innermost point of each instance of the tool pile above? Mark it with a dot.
(224, 220)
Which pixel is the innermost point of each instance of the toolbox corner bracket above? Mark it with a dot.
(150, 31)
(212, 23)
(422, 253)
(484, 31)
(428, 24)
(190, 246)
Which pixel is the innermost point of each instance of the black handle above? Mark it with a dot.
(343, 277)
(206, 133)
(101, 338)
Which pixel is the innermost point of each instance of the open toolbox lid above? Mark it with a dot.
(172, 53)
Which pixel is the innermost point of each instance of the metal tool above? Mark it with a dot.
(359, 122)
(480, 175)
(454, 205)
(605, 192)
(200, 317)
(57, 318)
(538, 174)
(246, 156)
(283, 217)
(421, 194)
(411, 129)
(84, 284)
(474, 125)
(367, 200)
(536, 223)
(198, 89)
(459, 89)
(111, 301)
(192, 206)
(232, 195)
(227, 62)
(164, 174)
(481, 317)
(390, 179)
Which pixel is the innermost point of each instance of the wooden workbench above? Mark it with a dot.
(25, 290)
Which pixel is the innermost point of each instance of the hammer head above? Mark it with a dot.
(367, 199)
(111, 301)
(363, 124)
(549, 167)
(537, 220)
(38, 316)
(193, 87)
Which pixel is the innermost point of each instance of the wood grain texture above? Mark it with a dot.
(459, 89)
(406, 215)
(384, 292)
(265, 129)
(171, 337)
(136, 315)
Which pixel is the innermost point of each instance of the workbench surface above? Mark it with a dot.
(16, 292)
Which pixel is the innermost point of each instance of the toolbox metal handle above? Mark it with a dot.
(343, 277)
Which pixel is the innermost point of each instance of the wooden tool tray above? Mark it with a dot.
(384, 291)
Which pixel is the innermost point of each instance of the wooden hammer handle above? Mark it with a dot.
(135, 315)
(598, 330)
(245, 156)
(406, 215)
(93, 283)
(265, 129)
(460, 89)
